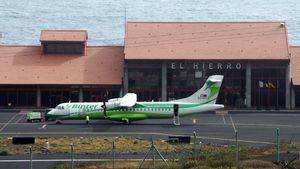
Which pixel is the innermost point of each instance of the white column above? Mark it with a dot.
(38, 96)
(248, 85)
(293, 98)
(164, 82)
(287, 87)
(80, 97)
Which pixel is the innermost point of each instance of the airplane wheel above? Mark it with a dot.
(58, 122)
(127, 122)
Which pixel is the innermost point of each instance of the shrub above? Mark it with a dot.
(4, 153)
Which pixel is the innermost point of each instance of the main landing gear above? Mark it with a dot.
(126, 121)
(58, 122)
(176, 120)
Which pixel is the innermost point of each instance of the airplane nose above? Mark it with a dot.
(50, 112)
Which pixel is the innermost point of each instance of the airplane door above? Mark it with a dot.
(176, 114)
(68, 109)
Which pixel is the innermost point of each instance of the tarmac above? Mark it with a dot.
(253, 128)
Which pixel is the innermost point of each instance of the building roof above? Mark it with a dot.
(64, 35)
(206, 40)
(26, 65)
(295, 64)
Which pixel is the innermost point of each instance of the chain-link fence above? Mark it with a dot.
(192, 151)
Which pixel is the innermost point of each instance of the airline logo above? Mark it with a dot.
(213, 90)
(85, 106)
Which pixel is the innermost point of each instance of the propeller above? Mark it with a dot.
(105, 98)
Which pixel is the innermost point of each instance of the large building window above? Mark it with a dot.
(268, 87)
(63, 48)
(16, 97)
(185, 78)
(297, 97)
(97, 95)
(146, 83)
(53, 97)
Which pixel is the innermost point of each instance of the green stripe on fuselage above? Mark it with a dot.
(140, 111)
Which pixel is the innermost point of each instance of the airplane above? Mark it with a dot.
(127, 109)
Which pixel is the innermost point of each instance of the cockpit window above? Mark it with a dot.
(59, 107)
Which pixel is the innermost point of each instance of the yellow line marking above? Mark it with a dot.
(232, 123)
(224, 121)
(44, 126)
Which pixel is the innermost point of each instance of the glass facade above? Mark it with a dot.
(268, 87)
(185, 78)
(12, 97)
(51, 96)
(145, 82)
(297, 95)
(97, 94)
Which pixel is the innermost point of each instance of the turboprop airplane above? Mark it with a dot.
(127, 109)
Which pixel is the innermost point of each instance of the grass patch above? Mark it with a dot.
(108, 165)
(91, 145)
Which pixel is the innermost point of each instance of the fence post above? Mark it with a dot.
(237, 149)
(72, 155)
(113, 144)
(30, 154)
(195, 137)
(277, 145)
(153, 152)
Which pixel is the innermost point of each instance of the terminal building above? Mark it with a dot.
(159, 61)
